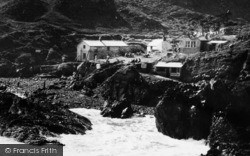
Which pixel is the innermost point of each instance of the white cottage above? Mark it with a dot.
(162, 45)
(170, 69)
(90, 49)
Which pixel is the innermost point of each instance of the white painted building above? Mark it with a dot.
(188, 45)
(216, 45)
(170, 69)
(91, 49)
(162, 45)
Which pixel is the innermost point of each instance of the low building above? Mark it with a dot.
(216, 45)
(92, 49)
(188, 45)
(162, 45)
(171, 69)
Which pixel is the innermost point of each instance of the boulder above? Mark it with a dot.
(226, 138)
(121, 90)
(117, 109)
(180, 114)
(127, 112)
(230, 129)
(66, 69)
(30, 120)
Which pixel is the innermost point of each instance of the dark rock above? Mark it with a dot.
(65, 69)
(229, 130)
(7, 68)
(228, 139)
(139, 91)
(85, 68)
(214, 105)
(29, 120)
(88, 91)
(127, 112)
(181, 115)
(121, 90)
(96, 77)
(99, 76)
(117, 109)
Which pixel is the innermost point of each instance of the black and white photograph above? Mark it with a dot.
(124, 77)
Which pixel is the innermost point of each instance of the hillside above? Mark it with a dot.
(120, 15)
(26, 25)
(238, 8)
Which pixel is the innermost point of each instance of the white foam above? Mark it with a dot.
(123, 137)
(126, 137)
(4, 140)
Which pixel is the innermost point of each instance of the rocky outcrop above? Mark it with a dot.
(127, 89)
(211, 110)
(99, 76)
(85, 68)
(227, 137)
(31, 120)
(120, 91)
(229, 133)
(182, 113)
(65, 69)
(95, 78)
(214, 104)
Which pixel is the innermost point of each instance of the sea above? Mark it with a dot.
(136, 136)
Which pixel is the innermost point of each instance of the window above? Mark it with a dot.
(159, 69)
(187, 44)
(84, 56)
(174, 70)
(193, 44)
(84, 46)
